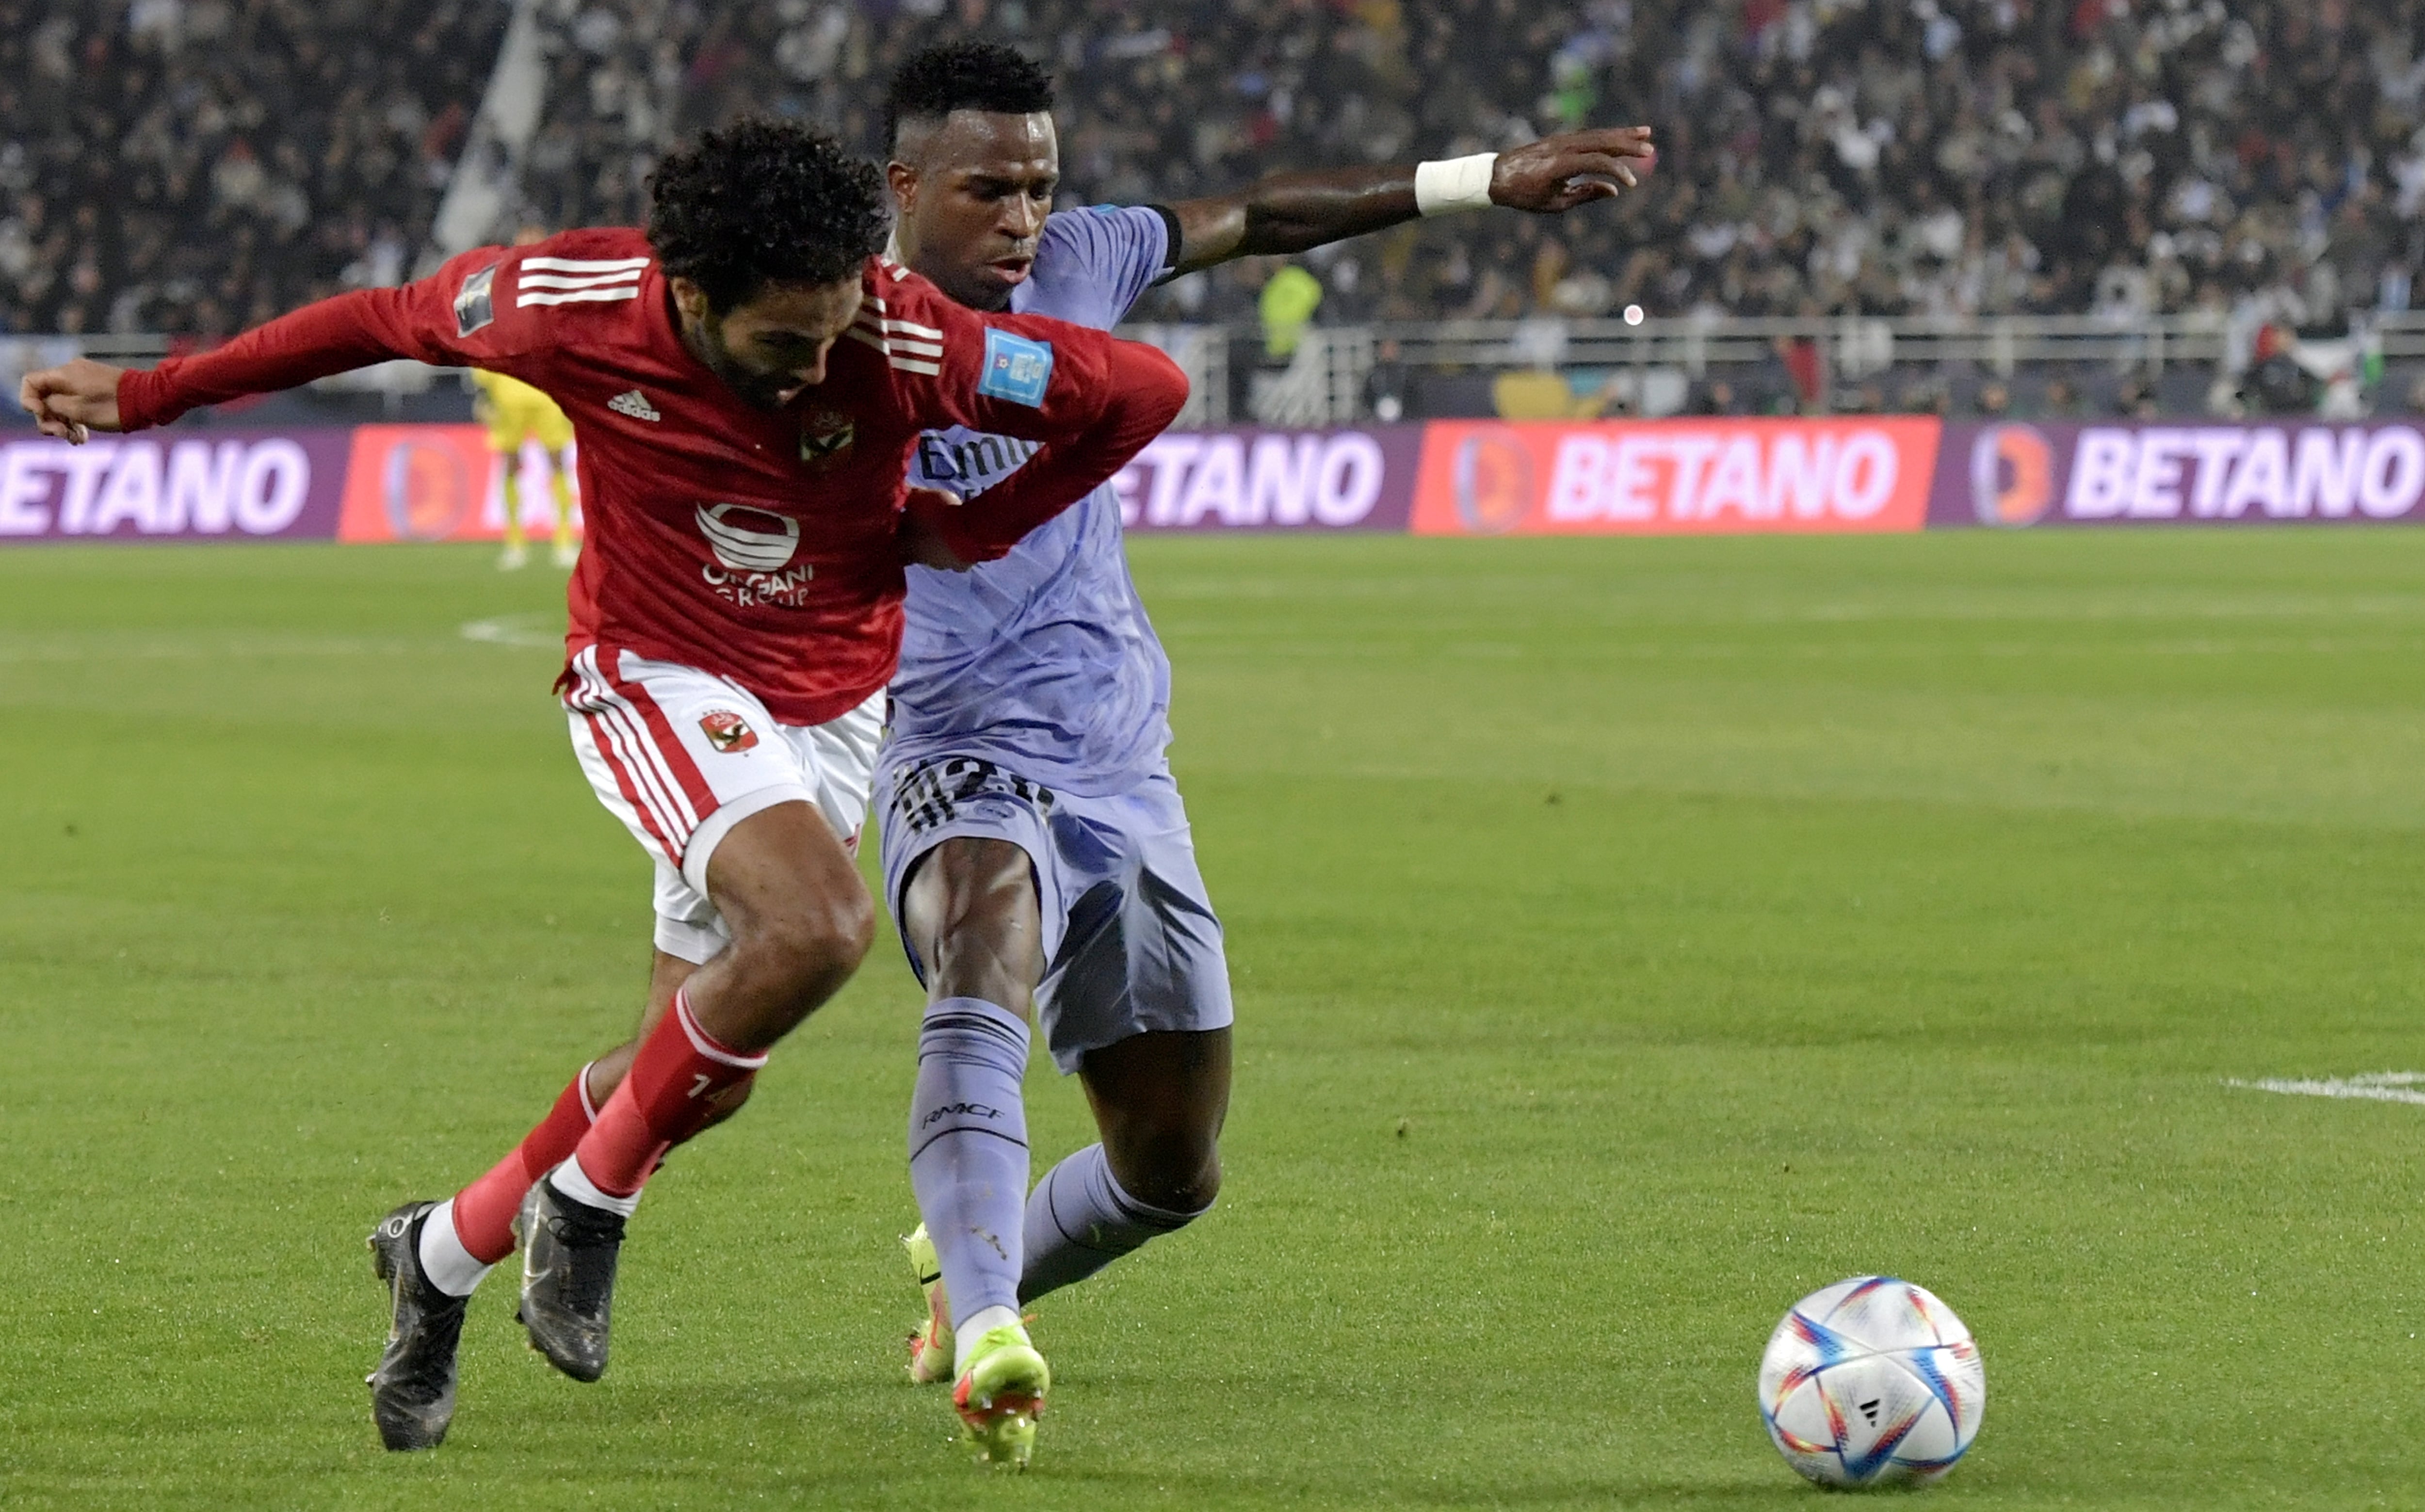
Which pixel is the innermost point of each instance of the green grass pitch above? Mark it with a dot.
(1629, 938)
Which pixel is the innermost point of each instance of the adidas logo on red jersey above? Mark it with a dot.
(634, 403)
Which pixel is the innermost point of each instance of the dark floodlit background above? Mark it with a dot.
(2155, 202)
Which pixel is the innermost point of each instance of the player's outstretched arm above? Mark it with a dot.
(1097, 403)
(1292, 211)
(418, 321)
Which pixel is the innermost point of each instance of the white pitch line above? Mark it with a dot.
(2380, 1087)
(516, 630)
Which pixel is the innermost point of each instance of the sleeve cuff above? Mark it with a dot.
(1171, 239)
(138, 397)
(947, 521)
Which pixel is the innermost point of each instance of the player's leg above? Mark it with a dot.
(1138, 1003)
(1159, 1099)
(758, 822)
(969, 914)
(967, 871)
(457, 1243)
(433, 1256)
(508, 449)
(559, 486)
(800, 921)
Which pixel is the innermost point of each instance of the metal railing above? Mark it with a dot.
(1853, 344)
(1325, 381)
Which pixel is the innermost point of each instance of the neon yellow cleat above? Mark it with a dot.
(1000, 1396)
(930, 1343)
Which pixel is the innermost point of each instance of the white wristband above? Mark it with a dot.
(1454, 183)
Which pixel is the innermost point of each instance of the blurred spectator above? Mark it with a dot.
(1286, 307)
(1716, 397)
(1385, 385)
(194, 166)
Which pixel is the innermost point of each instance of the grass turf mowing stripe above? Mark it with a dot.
(1628, 937)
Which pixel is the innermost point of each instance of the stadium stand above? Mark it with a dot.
(194, 166)
(1820, 156)
(2226, 165)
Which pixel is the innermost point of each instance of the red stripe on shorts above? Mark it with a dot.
(609, 734)
(669, 745)
(646, 764)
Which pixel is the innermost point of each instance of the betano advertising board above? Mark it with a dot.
(440, 482)
(435, 482)
(1674, 476)
(2016, 476)
(174, 485)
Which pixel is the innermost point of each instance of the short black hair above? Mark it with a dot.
(765, 202)
(935, 81)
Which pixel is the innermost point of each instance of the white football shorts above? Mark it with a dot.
(681, 756)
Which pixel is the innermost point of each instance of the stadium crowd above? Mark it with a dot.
(191, 165)
(1819, 156)
(194, 166)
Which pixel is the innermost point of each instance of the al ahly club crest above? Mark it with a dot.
(727, 732)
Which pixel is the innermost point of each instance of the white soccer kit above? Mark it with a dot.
(681, 756)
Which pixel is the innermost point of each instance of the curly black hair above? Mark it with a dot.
(765, 202)
(935, 81)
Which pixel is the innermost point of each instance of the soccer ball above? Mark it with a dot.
(1870, 1381)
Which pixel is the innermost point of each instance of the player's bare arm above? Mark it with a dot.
(1293, 212)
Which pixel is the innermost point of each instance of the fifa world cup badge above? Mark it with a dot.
(1016, 368)
(727, 732)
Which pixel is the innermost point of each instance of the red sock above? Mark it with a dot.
(484, 1210)
(681, 1080)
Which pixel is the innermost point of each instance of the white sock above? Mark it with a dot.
(574, 1183)
(449, 1267)
(965, 1332)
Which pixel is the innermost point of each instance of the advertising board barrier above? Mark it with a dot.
(1675, 476)
(2016, 475)
(201, 485)
(1849, 473)
(1360, 478)
(431, 482)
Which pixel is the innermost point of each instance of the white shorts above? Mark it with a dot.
(681, 756)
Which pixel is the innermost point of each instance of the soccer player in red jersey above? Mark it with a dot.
(746, 380)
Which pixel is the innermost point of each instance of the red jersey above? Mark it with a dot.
(756, 544)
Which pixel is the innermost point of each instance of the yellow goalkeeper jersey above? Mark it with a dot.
(512, 411)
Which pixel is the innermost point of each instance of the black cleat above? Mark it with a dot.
(569, 1251)
(412, 1392)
